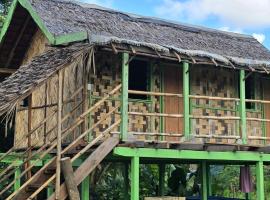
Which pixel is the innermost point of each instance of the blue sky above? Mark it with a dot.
(242, 16)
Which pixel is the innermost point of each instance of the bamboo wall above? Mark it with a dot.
(37, 46)
(44, 104)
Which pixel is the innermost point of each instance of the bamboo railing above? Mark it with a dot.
(192, 116)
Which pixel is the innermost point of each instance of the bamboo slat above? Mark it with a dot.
(156, 134)
(156, 114)
(215, 117)
(155, 93)
(213, 98)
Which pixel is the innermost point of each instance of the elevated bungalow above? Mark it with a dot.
(93, 84)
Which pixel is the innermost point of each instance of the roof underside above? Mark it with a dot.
(17, 39)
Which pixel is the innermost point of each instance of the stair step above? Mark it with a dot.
(32, 187)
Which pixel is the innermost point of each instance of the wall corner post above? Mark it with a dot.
(260, 180)
(186, 99)
(135, 175)
(243, 126)
(124, 97)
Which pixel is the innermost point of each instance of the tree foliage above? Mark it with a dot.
(4, 6)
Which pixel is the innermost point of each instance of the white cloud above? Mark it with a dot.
(105, 3)
(237, 13)
(260, 37)
(228, 29)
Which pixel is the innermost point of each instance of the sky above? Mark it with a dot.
(250, 17)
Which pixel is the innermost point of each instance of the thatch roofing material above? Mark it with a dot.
(63, 17)
(30, 76)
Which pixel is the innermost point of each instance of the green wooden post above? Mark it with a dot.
(186, 99)
(17, 183)
(135, 172)
(49, 191)
(124, 97)
(242, 109)
(204, 181)
(85, 186)
(161, 184)
(260, 180)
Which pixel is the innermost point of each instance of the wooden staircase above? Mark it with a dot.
(46, 176)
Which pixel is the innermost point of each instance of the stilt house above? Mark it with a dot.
(89, 83)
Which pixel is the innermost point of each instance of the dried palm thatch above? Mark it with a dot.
(104, 26)
(29, 77)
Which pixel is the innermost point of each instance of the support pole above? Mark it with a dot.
(124, 96)
(161, 188)
(186, 99)
(66, 166)
(85, 188)
(59, 136)
(260, 180)
(243, 129)
(204, 181)
(135, 172)
(17, 183)
(29, 137)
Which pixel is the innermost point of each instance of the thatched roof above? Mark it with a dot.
(20, 84)
(104, 26)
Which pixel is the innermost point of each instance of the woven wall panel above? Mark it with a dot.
(213, 82)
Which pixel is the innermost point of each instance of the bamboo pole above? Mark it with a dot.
(29, 137)
(218, 136)
(154, 93)
(257, 119)
(157, 114)
(59, 135)
(214, 117)
(213, 98)
(258, 138)
(257, 101)
(157, 134)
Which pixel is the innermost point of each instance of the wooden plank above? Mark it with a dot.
(72, 189)
(90, 164)
(172, 104)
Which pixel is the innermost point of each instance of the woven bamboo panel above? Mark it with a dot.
(213, 82)
(255, 128)
(105, 77)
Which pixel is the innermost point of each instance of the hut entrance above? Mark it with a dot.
(173, 105)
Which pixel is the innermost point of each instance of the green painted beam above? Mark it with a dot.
(124, 97)
(161, 183)
(135, 175)
(186, 99)
(242, 105)
(17, 183)
(237, 156)
(71, 37)
(260, 181)
(204, 181)
(85, 186)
